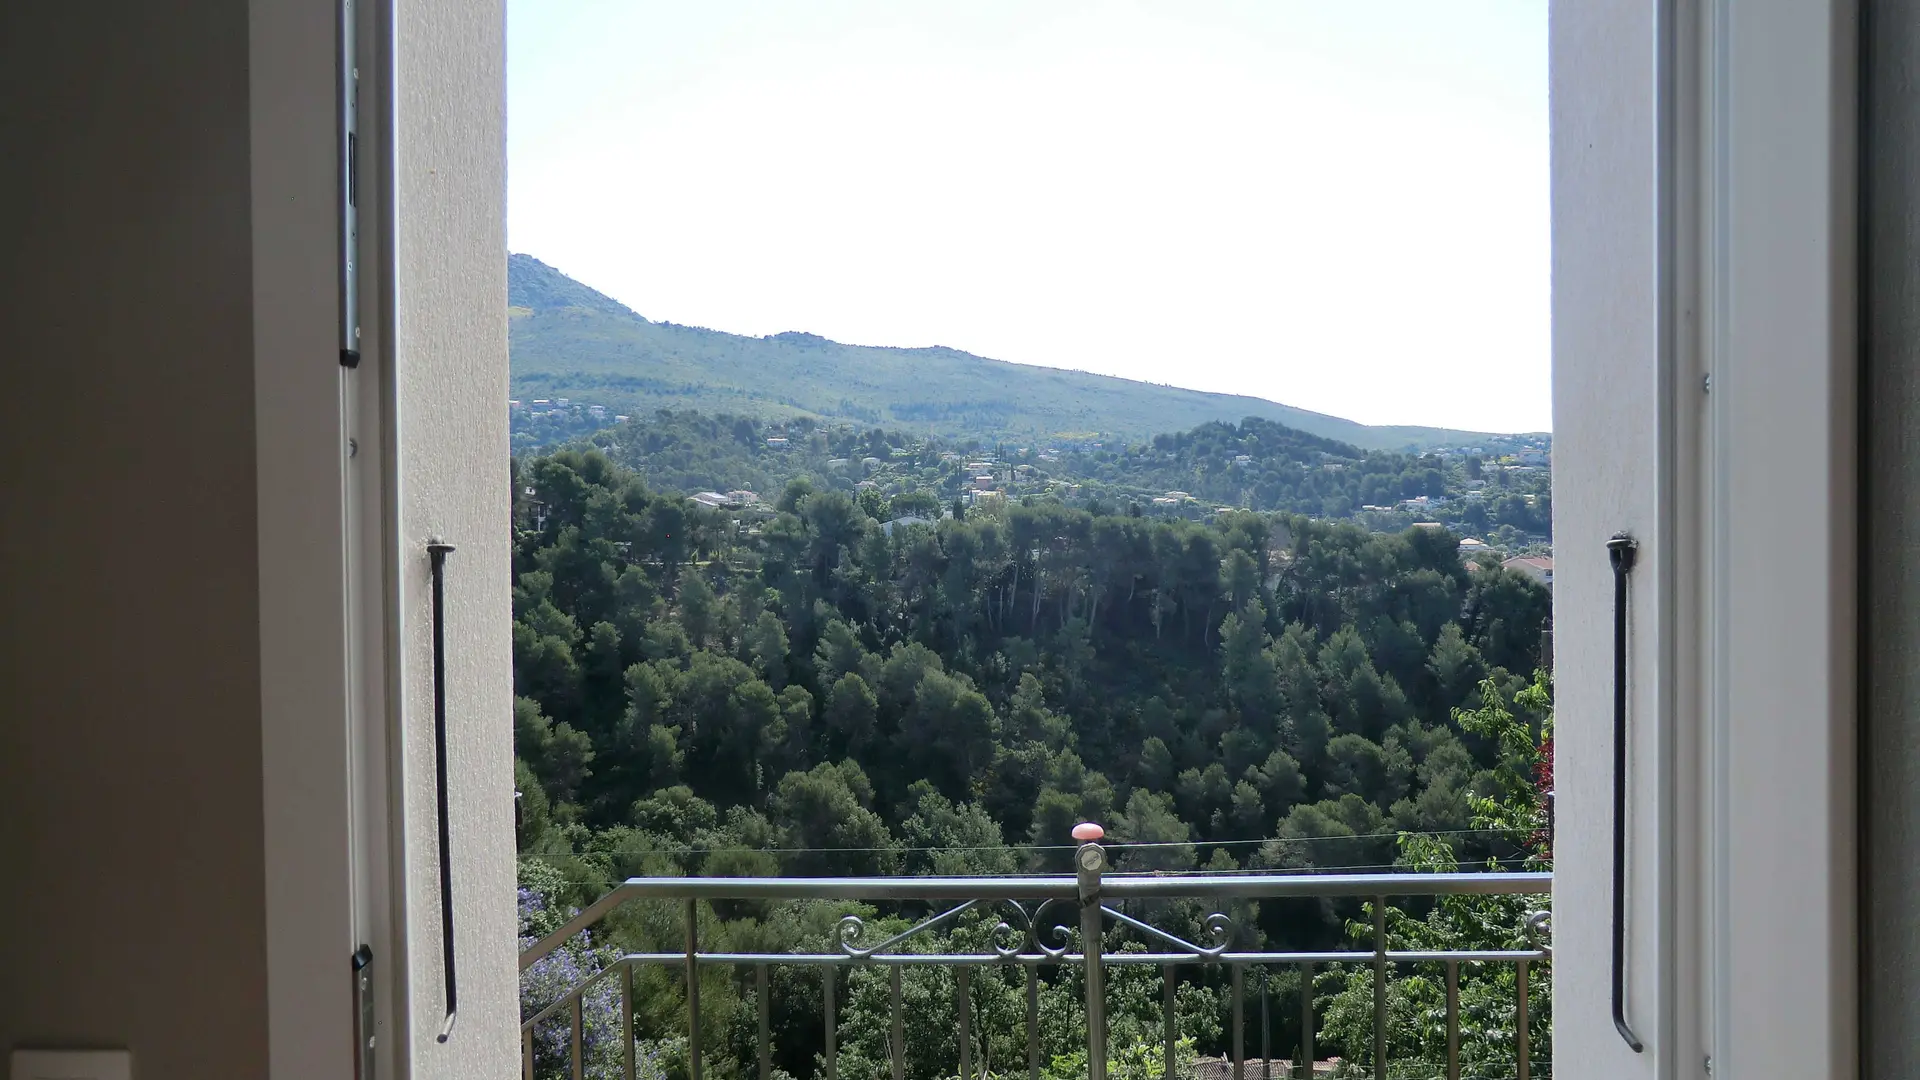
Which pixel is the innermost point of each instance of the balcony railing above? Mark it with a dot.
(1047, 922)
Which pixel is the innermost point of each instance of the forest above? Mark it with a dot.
(799, 691)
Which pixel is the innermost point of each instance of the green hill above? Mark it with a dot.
(569, 341)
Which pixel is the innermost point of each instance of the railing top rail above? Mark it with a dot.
(1039, 887)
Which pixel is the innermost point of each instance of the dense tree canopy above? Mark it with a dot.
(800, 692)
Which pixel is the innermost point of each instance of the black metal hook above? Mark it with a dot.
(1621, 551)
(437, 553)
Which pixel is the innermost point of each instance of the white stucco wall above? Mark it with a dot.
(1605, 459)
(450, 353)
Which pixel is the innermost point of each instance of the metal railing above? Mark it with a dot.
(1033, 933)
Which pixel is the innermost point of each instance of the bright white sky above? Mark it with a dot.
(1336, 204)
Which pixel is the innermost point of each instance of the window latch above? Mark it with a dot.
(349, 186)
(363, 1019)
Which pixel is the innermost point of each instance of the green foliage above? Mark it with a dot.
(1514, 807)
(794, 690)
(1133, 1061)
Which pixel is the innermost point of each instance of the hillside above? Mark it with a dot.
(1255, 465)
(569, 341)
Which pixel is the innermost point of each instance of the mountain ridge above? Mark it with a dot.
(568, 339)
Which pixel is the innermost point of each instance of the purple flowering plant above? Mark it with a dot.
(554, 976)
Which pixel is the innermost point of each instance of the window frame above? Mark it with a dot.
(1746, 186)
(1779, 338)
(357, 469)
(1705, 301)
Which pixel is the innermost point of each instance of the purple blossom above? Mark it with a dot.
(552, 978)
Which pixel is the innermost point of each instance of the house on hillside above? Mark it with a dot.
(904, 522)
(1473, 546)
(1222, 1068)
(1537, 567)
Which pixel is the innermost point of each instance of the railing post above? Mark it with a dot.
(1239, 982)
(1523, 1067)
(1088, 862)
(1169, 1024)
(626, 1018)
(577, 1056)
(526, 1053)
(1266, 1030)
(962, 1004)
(1453, 1020)
(1379, 987)
(693, 989)
(899, 1039)
(833, 1033)
(1306, 1022)
(1033, 1022)
(763, 992)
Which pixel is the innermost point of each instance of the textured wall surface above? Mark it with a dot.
(130, 791)
(1605, 455)
(451, 361)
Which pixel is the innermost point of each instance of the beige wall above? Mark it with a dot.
(185, 862)
(131, 884)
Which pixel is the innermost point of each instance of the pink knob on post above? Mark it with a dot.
(1087, 832)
